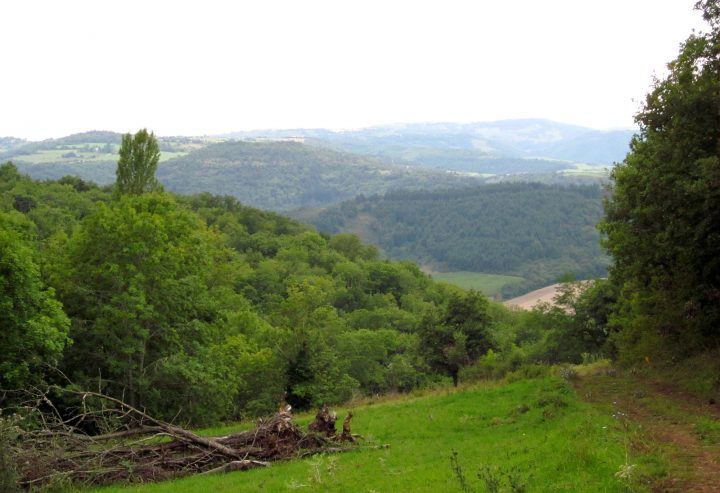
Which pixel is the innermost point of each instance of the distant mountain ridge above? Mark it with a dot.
(523, 139)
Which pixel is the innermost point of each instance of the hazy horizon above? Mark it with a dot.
(210, 68)
(338, 130)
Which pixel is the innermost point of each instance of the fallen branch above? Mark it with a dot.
(237, 465)
(174, 431)
(61, 451)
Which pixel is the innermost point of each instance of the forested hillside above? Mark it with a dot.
(534, 231)
(283, 176)
(201, 308)
(199, 305)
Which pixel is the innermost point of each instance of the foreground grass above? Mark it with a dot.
(488, 284)
(535, 434)
(680, 437)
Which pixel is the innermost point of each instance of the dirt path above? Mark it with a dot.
(666, 424)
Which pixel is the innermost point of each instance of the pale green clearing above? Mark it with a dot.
(56, 156)
(589, 170)
(488, 284)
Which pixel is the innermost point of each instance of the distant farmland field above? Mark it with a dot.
(488, 284)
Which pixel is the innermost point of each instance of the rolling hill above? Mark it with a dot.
(90, 155)
(533, 231)
(316, 167)
(282, 176)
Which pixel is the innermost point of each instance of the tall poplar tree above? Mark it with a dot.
(139, 157)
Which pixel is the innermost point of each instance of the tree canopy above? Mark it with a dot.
(456, 335)
(663, 218)
(34, 326)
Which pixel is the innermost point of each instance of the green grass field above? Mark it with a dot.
(487, 284)
(56, 156)
(531, 435)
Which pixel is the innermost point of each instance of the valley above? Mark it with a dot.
(367, 247)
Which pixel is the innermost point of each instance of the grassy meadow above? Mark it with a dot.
(74, 154)
(488, 284)
(531, 435)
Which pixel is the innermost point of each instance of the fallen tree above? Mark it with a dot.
(142, 448)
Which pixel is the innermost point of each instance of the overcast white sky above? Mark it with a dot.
(205, 66)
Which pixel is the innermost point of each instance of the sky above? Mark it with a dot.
(208, 67)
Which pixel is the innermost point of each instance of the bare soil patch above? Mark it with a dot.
(529, 300)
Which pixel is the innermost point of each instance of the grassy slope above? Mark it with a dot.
(678, 416)
(536, 430)
(488, 284)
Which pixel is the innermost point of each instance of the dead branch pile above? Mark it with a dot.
(153, 450)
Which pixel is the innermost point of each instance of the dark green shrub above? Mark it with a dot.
(8, 474)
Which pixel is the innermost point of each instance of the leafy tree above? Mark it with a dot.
(139, 157)
(136, 285)
(351, 246)
(34, 327)
(663, 219)
(8, 174)
(576, 323)
(456, 336)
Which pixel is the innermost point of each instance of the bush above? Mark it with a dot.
(8, 475)
(529, 370)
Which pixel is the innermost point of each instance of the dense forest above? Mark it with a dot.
(533, 231)
(227, 306)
